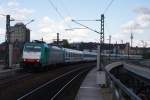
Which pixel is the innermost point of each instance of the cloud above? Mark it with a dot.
(142, 10)
(15, 10)
(47, 28)
(140, 23)
(67, 19)
(132, 26)
(21, 13)
(48, 25)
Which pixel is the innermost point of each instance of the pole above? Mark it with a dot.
(9, 46)
(7, 39)
(131, 39)
(101, 40)
(128, 50)
(116, 50)
(121, 41)
(10, 54)
(101, 77)
(102, 28)
(109, 47)
(57, 39)
(98, 57)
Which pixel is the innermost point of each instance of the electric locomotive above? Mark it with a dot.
(34, 54)
(38, 54)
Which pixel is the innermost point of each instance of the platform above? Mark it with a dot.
(89, 90)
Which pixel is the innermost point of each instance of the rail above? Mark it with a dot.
(57, 96)
(51, 85)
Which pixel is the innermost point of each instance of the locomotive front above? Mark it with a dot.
(31, 54)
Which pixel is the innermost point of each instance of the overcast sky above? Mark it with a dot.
(52, 16)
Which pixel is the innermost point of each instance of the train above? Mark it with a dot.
(38, 54)
(123, 56)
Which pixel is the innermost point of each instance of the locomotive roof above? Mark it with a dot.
(55, 47)
(72, 50)
(58, 48)
(87, 52)
(37, 43)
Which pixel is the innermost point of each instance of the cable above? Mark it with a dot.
(65, 8)
(86, 26)
(55, 8)
(89, 20)
(106, 9)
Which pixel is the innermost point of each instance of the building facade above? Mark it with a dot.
(19, 33)
(107, 48)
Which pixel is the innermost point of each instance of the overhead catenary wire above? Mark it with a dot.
(86, 26)
(65, 8)
(57, 11)
(89, 20)
(55, 8)
(107, 7)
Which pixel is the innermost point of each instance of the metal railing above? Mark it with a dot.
(119, 90)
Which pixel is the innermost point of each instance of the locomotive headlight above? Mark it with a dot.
(24, 59)
(37, 60)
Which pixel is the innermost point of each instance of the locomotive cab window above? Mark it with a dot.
(32, 48)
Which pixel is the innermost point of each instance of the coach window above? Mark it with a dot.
(71, 54)
(66, 55)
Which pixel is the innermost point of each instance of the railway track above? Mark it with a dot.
(11, 80)
(5, 74)
(17, 88)
(54, 89)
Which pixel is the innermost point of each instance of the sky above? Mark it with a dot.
(122, 18)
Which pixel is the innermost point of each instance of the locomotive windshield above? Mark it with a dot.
(32, 48)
